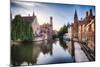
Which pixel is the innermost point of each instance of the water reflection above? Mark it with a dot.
(43, 52)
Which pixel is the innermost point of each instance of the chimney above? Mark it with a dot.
(87, 17)
(91, 13)
(87, 14)
(81, 18)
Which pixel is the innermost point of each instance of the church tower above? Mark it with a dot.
(75, 17)
(75, 25)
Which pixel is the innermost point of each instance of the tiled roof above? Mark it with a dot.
(28, 18)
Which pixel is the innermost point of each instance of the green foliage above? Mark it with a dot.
(63, 30)
(22, 53)
(20, 29)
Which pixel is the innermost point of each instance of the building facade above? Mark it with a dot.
(47, 29)
(75, 26)
(43, 31)
(84, 29)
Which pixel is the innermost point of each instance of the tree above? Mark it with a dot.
(21, 29)
(63, 30)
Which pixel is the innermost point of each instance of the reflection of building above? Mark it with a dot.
(84, 29)
(47, 47)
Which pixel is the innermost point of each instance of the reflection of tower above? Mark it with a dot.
(51, 47)
(75, 25)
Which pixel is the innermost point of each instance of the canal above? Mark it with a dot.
(42, 52)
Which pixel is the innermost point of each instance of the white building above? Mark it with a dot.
(69, 32)
(35, 27)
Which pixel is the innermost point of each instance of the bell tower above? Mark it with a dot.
(51, 22)
(75, 17)
(75, 24)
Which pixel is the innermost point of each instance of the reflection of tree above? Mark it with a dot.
(36, 51)
(22, 53)
(15, 56)
(63, 44)
(63, 30)
(26, 52)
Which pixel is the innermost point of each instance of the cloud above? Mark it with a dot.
(23, 5)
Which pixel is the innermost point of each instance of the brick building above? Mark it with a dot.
(84, 29)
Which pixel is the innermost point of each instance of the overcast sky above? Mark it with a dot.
(61, 13)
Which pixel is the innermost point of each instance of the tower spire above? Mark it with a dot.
(75, 15)
(33, 13)
(75, 24)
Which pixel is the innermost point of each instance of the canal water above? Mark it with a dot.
(42, 52)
